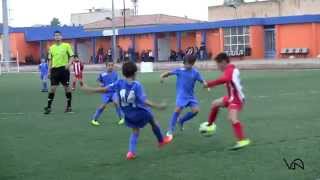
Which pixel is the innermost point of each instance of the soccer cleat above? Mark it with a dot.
(241, 144)
(44, 90)
(121, 121)
(73, 89)
(169, 137)
(166, 140)
(131, 156)
(95, 123)
(68, 110)
(47, 110)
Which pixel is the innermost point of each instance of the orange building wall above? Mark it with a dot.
(188, 39)
(198, 38)
(103, 42)
(213, 42)
(173, 42)
(295, 36)
(257, 42)
(144, 42)
(125, 42)
(317, 34)
(24, 49)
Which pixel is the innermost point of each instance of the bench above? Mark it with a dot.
(296, 52)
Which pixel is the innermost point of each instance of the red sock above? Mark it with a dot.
(81, 83)
(213, 115)
(238, 131)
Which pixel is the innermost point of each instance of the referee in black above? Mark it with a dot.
(60, 58)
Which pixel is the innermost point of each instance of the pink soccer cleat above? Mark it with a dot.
(131, 156)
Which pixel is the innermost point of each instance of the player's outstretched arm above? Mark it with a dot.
(160, 106)
(88, 89)
(164, 75)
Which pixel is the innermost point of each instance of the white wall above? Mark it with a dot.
(265, 9)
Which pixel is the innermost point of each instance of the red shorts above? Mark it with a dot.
(78, 77)
(232, 104)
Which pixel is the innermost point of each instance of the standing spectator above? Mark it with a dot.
(120, 57)
(100, 55)
(109, 57)
(203, 51)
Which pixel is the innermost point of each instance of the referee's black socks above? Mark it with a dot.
(50, 99)
(69, 98)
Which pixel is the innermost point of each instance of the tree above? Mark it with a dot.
(55, 22)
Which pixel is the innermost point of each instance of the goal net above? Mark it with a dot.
(9, 67)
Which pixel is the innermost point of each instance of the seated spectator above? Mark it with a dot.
(180, 55)
(151, 58)
(143, 56)
(173, 56)
(126, 56)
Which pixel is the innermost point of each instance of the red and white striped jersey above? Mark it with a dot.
(77, 67)
(231, 78)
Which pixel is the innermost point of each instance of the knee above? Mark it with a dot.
(232, 119)
(177, 110)
(195, 111)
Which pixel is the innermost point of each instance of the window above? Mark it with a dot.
(236, 40)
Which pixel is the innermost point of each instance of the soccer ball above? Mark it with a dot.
(206, 130)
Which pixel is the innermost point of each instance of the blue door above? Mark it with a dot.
(269, 43)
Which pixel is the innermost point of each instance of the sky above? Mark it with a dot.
(35, 12)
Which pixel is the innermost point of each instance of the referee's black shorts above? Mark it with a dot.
(60, 75)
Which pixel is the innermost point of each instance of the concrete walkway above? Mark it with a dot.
(208, 65)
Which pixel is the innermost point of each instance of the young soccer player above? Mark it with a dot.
(135, 105)
(43, 69)
(234, 101)
(77, 69)
(187, 77)
(106, 78)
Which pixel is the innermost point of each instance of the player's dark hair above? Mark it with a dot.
(129, 69)
(222, 57)
(189, 59)
(57, 32)
(75, 56)
(109, 62)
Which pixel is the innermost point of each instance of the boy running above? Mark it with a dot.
(187, 77)
(234, 101)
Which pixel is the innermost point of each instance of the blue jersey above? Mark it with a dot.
(107, 78)
(131, 96)
(186, 80)
(43, 68)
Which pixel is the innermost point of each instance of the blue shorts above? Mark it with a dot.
(138, 118)
(109, 98)
(183, 103)
(43, 77)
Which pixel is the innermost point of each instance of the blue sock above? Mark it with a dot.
(119, 113)
(157, 132)
(97, 114)
(188, 116)
(44, 85)
(173, 122)
(133, 142)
